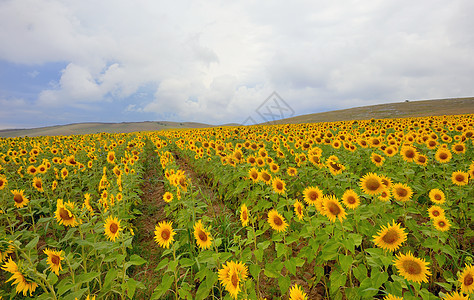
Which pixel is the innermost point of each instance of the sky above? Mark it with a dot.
(220, 62)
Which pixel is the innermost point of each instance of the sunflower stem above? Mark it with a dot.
(175, 272)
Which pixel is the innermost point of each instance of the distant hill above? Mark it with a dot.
(454, 106)
(422, 108)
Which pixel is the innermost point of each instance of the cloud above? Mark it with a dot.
(216, 62)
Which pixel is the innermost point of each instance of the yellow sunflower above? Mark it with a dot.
(244, 215)
(385, 195)
(467, 279)
(299, 209)
(112, 228)
(377, 159)
(38, 184)
(350, 199)
(6, 248)
(203, 238)
(111, 157)
(231, 275)
(392, 297)
(292, 171)
(443, 155)
(408, 153)
(441, 223)
(412, 268)
(297, 293)
(31, 170)
(253, 174)
(24, 283)
(19, 198)
(435, 211)
(164, 234)
(391, 237)
(277, 221)
(278, 185)
(312, 194)
(401, 192)
(265, 177)
(437, 196)
(371, 184)
(54, 259)
(460, 178)
(333, 209)
(167, 197)
(64, 213)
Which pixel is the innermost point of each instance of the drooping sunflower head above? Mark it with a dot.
(112, 228)
(437, 196)
(460, 178)
(19, 199)
(390, 237)
(65, 213)
(164, 234)
(467, 279)
(333, 209)
(276, 221)
(24, 283)
(203, 238)
(401, 192)
(244, 215)
(299, 209)
(278, 185)
(312, 194)
(412, 268)
(371, 184)
(441, 223)
(350, 199)
(54, 259)
(297, 293)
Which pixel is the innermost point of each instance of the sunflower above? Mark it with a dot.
(64, 213)
(54, 185)
(441, 223)
(24, 283)
(38, 184)
(443, 155)
(435, 211)
(167, 197)
(253, 174)
(274, 167)
(244, 215)
(19, 198)
(112, 228)
(298, 207)
(459, 178)
(371, 184)
(437, 196)
(467, 279)
(392, 297)
(292, 171)
(412, 268)
(3, 182)
(297, 293)
(6, 248)
(278, 186)
(377, 159)
(385, 195)
(265, 177)
(459, 148)
(408, 153)
(54, 259)
(164, 234)
(277, 221)
(350, 199)
(64, 173)
(111, 157)
(231, 275)
(401, 192)
(203, 238)
(333, 209)
(312, 194)
(42, 169)
(386, 181)
(87, 203)
(391, 237)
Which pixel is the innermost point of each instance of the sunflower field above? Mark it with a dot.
(367, 209)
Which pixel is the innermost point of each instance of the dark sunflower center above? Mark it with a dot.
(402, 192)
(234, 279)
(410, 153)
(437, 197)
(202, 236)
(279, 186)
(459, 148)
(351, 200)
(313, 196)
(244, 215)
(18, 198)
(277, 220)
(113, 228)
(165, 234)
(459, 178)
(443, 156)
(252, 160)
(299, 209)
(411, 267)
(421, 159)
(55, 260)
(254, 175)
(334, 208)
(441, 224)
(468, 280)
(377, 159)
(64, 214)
(372, 184)
(390, 237)
(436, 213)
(335, 166)
(266, 177)
(38, 184)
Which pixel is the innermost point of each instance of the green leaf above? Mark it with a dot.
(284, 284)
(52, 278)
(345, 261)
(255, 270)
(32, 244)
(172, 266)
(75, 295)
(163, 287)
(111, 275)
(258, 254)
(86, 277)
(162, 264)
(290, 266)
(136, 260)
(360, 272)
(281, 249)
(131, 285)
(337, 279)
(186, 262)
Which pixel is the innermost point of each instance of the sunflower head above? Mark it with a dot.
(299, 209)
(164, 234)
(19, 199)
(441, 223)
(112, 228)
(297, 293)
(350, 199)
(203, 238)
(371, 184)
(253, 174)
(437, 196)
(278, 185)
(244, 215)
(54, 259)
(333, 209)
(65, 213)
(412, 268)
(401, 192)
(460, 178)
(390, 237)
(277, 221)
(312, 194)
(167, 197)
(467, 279)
